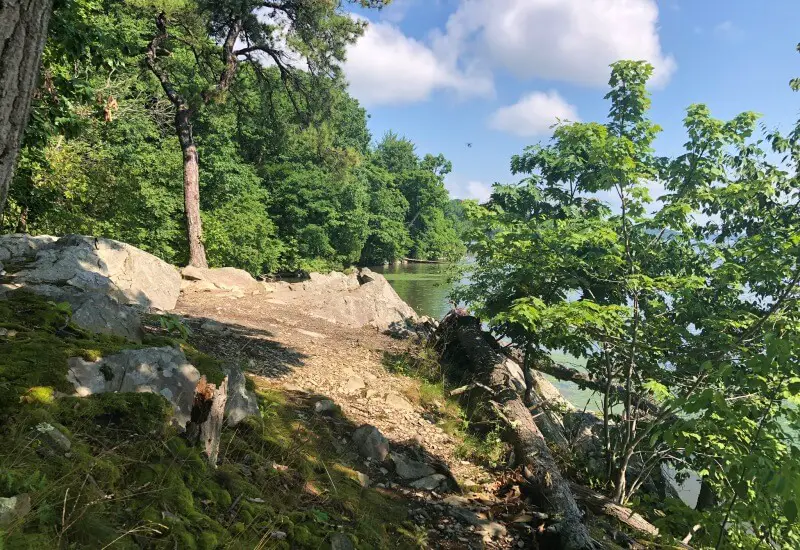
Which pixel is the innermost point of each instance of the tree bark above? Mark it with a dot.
(205, 424)
(183, 128)
(191, 188)
(23, 32)
(601, 504)
(498, 389)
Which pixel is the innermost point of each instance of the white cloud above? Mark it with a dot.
(463, 188)
(387, 67)
(533, 114)
(478, 190)
(568, 40)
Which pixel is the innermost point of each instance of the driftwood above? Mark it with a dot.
(205, 424)
(601, 504)
(499, 388)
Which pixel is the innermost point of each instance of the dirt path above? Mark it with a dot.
(276, 339)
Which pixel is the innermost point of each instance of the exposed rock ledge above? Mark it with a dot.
(361, 298)
(108, 284)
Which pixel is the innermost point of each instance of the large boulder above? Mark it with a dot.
(17, 247)
(89, 264)
(219, 279)
(372, 303)
(164, 371)
(107, 283)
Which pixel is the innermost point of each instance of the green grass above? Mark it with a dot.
(478, 444)
(130, 479)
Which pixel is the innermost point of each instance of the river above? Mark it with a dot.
(426, 288)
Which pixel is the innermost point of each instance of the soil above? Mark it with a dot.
(281, 345)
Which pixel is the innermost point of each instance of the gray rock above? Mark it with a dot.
(213, 326)
(123, 272)
(221, 278)
(354, 384)
(241, 401)
(371, 443)
(106, 283)
(53, 438)
(340, 541)
(164, 371)
(430, 483)
(397, 402)
(14, 508)
(363, 479)
(18, 247)
(411, 469)
(325, 406)
(101, 314)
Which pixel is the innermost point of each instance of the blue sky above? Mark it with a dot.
(497, 73)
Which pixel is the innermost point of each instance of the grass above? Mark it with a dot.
(480, 444)
(130, 480)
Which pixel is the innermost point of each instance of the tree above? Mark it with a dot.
(23, 31)
(197, 62)
(690, 303)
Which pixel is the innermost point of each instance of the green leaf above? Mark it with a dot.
(790, 510)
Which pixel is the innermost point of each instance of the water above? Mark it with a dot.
(426, 288)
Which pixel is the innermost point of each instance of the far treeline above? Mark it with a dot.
(194, 131)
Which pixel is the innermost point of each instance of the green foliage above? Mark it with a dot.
(288, 179)
(690, 301)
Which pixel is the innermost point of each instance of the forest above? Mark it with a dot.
(289, 175)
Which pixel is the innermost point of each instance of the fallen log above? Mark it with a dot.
(498, 391)
(601, 504)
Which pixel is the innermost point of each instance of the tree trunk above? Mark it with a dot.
(191, 188)
(23, 31)
(498, 389)
(205, 423)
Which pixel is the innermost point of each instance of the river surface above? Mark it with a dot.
(427, 287)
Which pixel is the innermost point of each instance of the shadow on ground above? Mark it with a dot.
(253, 350)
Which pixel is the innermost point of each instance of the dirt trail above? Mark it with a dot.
(276, 339)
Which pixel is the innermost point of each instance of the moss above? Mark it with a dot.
(205, 364)
(128, 467)
(37, 356)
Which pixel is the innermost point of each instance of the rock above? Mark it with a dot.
(230, 279)
(371, 443)
(411, 469)
(429, 483)
(213, 326)
(123, 272)
(18, 247)
(15, 508)
(241, 401)
(397, 402)
(340, 541)
(101, 314)
(164, 371)
(106, 283)
(363, 479)
(278, 535)
(311, 333)
(53, 438)
(325, 406)
(354, 384)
